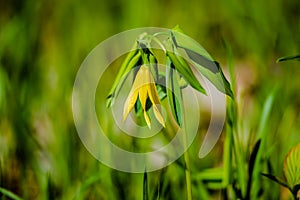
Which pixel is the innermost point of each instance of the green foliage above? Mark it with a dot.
(42, 45)
(9, 194)
(291, 169)
(291, 172)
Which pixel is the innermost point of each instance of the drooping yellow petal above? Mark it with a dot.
(143, 95)
(144, 87)
(139, 81)
(147, 119)
(158, 115)
(154, 98)
(129, 103)
(153, 95)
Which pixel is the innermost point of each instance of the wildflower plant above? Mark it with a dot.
(181, 53)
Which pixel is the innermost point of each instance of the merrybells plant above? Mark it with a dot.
(144, 62)
(180, 53)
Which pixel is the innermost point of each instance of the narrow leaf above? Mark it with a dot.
(9, 194)
(288, 58)
(253, 157)
(174, 93)
(185, 71)
(252, 161)
(145, 186)
(132, 60)
(276, 179)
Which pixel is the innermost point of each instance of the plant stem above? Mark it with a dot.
(187, 168)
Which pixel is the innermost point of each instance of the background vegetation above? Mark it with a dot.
(42, 44)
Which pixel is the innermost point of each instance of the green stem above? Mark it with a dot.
(187, 168)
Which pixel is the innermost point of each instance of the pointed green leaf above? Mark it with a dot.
(145, 187)
(9, 194)
(130, 62)
(174, 93)
(153, 66)
(181, 40)
(291, 166)
(253, 159)
(202, 61)
(185, 71)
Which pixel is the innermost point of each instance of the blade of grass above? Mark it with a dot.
(251, 167)
(9, 194)
(187, 171)
(262, 135)
(231, 134)
(145, 186)
(276, 179)
(203, 193)
(227, 172)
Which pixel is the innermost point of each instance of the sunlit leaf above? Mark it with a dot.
(202, 61)
(291, 167)
(185, 71)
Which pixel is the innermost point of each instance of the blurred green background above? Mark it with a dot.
(42, 45)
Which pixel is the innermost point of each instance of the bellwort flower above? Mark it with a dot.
(143, 88)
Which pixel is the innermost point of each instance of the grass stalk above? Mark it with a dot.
(187, 168)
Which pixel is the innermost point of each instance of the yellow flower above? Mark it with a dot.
(143, 87)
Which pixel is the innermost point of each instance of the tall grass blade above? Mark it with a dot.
(145, 186)
(262, 135)
(251, 167)
(9, 194)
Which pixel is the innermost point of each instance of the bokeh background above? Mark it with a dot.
(43, 43)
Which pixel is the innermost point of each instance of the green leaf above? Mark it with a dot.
(181, 40)
(291, 166)
(185, 71)
(288, 58)
(253, 158)
(174, 92)
(211, 174)
(252, 161)
(145, 187)
(202, 61)
(9, 194)
(153, 66)
(131, 60)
